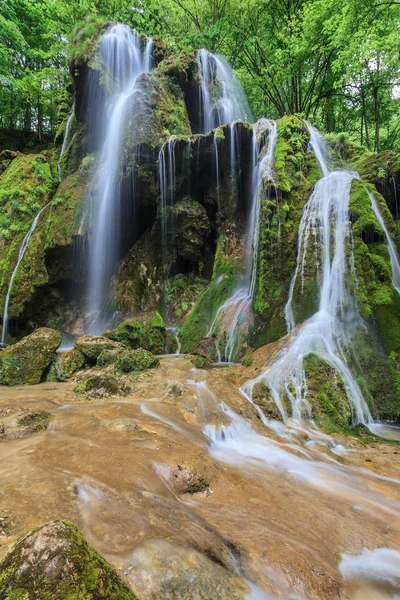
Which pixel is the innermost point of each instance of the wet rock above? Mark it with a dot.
(93, 345)
(98, 386)
(55, 561)
(18, 422)
(129, 425)
(205, 352)
(193, 229)
(187, 481)
(108, 357)
(132, 361)
(182, 574)
(27, 360)
(69, 363)
(173, 389)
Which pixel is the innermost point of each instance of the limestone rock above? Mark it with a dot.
(55, 561)
(69, 363)
(98, 386)
(93, 345)
(27, 360)
(132, 361)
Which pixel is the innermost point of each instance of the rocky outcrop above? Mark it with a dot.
(27, 360)
(92, 346)
(136, 333)
(55, 561)
(70, 362)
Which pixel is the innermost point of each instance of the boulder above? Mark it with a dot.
(206, 350)
(69, 362)
(132, 361)
(27, 360)
(93, 345)
(98, 386)
(55, 561)
(138, 334)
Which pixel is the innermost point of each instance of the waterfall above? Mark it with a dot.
(328, 333)
(394, 257)
(221, 97)
(238, 305)
(215, 146)
(124, 61)
(21, 252)
(65, 142)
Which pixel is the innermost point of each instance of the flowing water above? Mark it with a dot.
(125, 60)
(236, 310)
(329, 332)
(21, 253)
(65, 142)
(394, 257)
(221, 97)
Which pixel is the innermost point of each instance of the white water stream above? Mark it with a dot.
(125, 61)
(221, 97)
(21, 253)
(237, 307)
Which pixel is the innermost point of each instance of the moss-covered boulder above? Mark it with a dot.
(55, 561)
(70, 362)
(99, 385)
(132, 361)
(92, 346)
(136, 333)
(27, 360)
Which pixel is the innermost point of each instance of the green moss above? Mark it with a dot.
(51, 374)
(157, 322)
(57, 560)
(280, 214)
(70, 362)
(97, 386)
(133, 361)
(25, 187)
(326, 394)
(28, 360)
(225, 277)
(84, 40)
(106, 358)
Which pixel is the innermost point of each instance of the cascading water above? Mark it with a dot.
(125, 60)
(328, 333)
(21, 252)
(238, 305)
(65, 142)
(221, 98)
(394, 257)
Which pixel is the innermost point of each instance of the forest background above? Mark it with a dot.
(335, 62)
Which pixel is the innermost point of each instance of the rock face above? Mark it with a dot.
(55, 561)
(27, 361)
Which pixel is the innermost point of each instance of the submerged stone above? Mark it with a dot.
(55, 561)
(27, 360)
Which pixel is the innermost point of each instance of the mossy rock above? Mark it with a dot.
(132, 361)
(55, 561)
(92, 346)
(135, 333)
(98, 386)
(326, 395)
(69, 362)
(27, 360)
